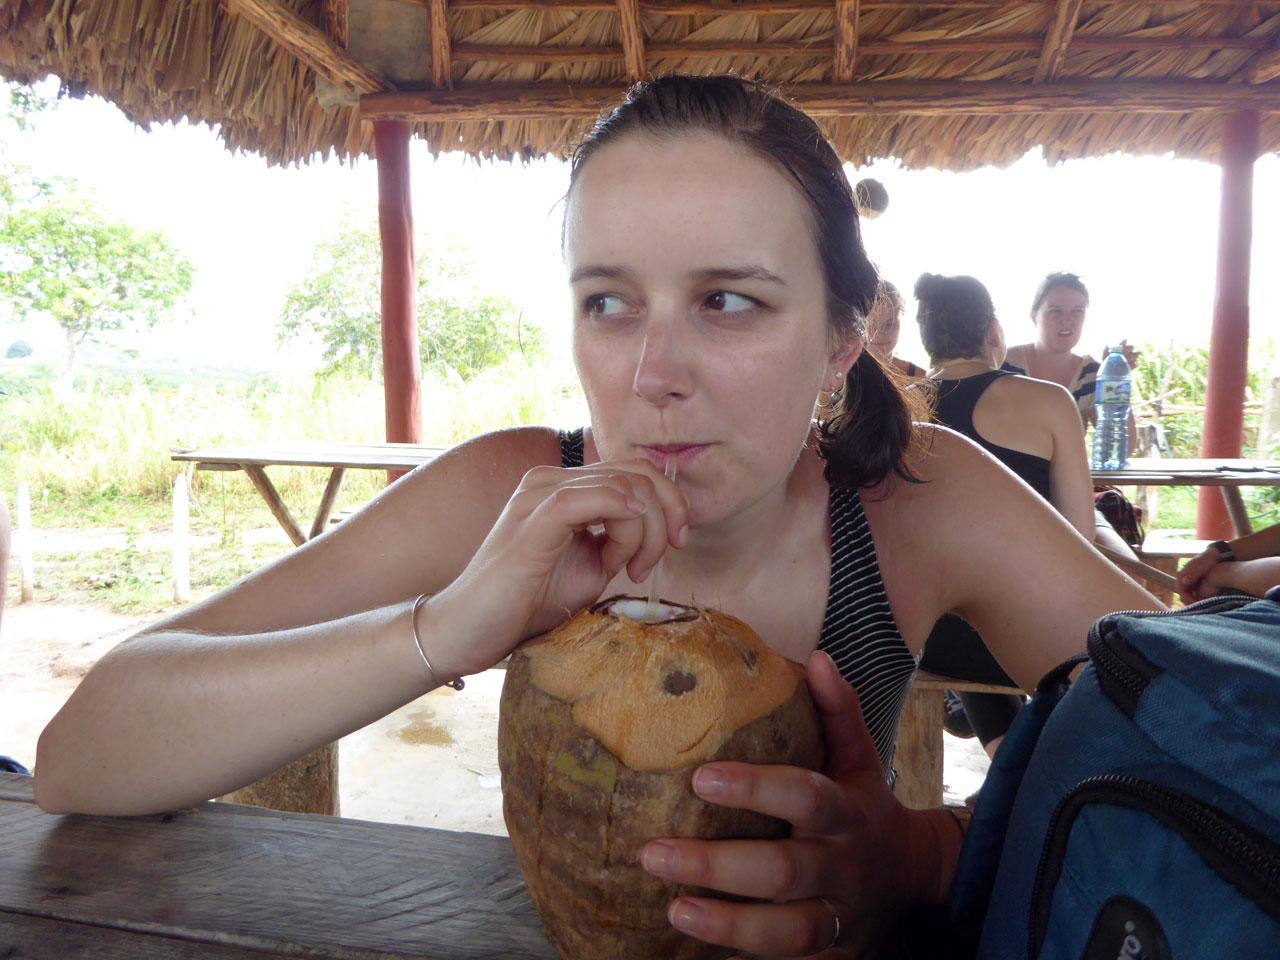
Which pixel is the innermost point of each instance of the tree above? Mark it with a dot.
(18, 349)
(459, 328)
(93, 274)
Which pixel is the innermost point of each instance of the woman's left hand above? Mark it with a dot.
(851, 866)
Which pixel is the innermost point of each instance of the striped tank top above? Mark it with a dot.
(858, 631)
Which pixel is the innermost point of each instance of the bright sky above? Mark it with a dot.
(1142, 231)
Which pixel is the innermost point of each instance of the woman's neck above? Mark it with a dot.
(957, 368)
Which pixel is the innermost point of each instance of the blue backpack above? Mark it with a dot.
(1135, 813)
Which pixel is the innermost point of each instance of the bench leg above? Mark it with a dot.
(918, 757)
(308, 785)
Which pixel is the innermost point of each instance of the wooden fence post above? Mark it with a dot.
(22, 535)
(181, 541)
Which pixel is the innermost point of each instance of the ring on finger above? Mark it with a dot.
(834, 916)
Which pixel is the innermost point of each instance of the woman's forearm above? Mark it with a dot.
(1263, 543)
(174, 718)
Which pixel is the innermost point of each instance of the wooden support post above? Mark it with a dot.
(267, 490)
(399, 318)
(327, 500)
(25, 543)
(308, 785)
(1223, 434)
(846, 53)
(918, 755)
(181, 541)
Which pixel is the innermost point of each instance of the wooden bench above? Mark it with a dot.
(918, 758)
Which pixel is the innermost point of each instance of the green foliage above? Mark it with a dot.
(1175, 375)
(93, 274)
(18, 349)
(459, 329)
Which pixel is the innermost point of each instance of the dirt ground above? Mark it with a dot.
(432, 763)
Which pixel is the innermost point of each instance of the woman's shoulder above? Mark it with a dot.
(1017, 355)
(499, 457)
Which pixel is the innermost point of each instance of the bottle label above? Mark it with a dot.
(1113, 391)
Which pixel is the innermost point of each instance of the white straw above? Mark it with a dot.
(655, 578)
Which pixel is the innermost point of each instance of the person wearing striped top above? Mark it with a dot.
(718, 282)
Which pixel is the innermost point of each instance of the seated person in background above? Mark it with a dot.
(1249, 564)
(1029, 425)
(1058, 312)
(884, 324)
(719, 284)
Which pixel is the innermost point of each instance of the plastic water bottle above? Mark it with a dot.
(1111, 400)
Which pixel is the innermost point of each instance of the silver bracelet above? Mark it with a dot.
(417, 641)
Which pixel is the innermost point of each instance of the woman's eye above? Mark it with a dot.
(728, 302)
(604, 305)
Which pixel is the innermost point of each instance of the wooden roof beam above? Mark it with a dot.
(712, 7)
(1054, 53)
(632, 38)
(337, 22)
(309, 44)
(746, 48)
(890, 97)
(441, 58)
(846, 40)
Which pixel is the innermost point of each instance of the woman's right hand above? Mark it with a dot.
(563, 536)
(1193, 572)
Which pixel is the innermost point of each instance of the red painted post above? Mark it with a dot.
(1223, 434)
(400, 380)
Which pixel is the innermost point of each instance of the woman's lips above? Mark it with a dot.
(683, 452)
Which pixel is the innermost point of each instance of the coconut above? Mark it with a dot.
(602, 723)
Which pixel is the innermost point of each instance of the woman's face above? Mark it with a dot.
(700, 327)
(883, 327)
(1060, 319)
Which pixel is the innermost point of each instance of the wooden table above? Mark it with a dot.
(238, 883)
(338, 458)
(1227, 475)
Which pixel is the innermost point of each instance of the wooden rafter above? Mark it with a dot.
(632, 38)
(1054, 53)
(309, 44)
(846, 40)
(337, 22)
(900, 97)
(713, 7)
(441, 56)
(746, 48)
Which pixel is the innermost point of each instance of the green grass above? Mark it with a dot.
(100, 459)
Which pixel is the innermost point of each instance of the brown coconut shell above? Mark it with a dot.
(602, 723)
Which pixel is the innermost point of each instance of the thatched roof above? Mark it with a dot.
(950, 84)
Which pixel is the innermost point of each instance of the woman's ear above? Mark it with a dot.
(846, 353)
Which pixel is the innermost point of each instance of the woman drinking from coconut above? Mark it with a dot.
(719, 283)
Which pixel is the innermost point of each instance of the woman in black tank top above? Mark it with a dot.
(719, 284)
(959, 329)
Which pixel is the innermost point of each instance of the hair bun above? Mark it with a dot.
(870, 197)
(927, 284)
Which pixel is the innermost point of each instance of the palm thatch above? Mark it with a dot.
(947, 84)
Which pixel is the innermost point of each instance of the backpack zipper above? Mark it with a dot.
(1124, 673)
(1241, 855)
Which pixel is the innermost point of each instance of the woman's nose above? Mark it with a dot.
(663, 369)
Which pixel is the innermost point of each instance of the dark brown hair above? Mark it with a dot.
(869, 435)
(1071, 281)
(954, 315)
